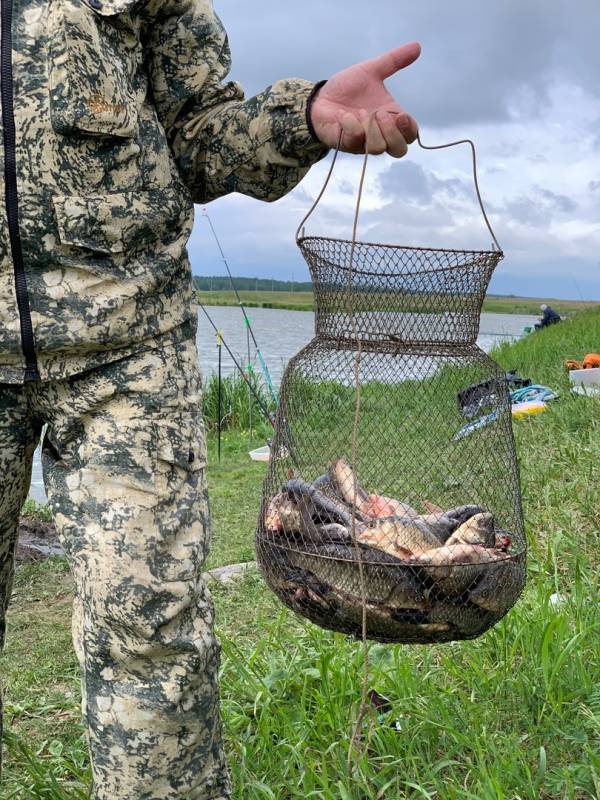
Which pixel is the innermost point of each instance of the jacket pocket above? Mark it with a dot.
(95, 79)
(123, 222)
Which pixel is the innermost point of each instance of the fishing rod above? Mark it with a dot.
(290, 447)
(220, 387)
(577, 287)
(240, 369)
(250, 331)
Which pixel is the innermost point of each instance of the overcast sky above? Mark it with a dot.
(520, 77)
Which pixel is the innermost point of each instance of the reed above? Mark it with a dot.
(235, 407)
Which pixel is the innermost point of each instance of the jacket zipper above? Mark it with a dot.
(11, 193)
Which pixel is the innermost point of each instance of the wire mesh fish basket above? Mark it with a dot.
(387, 512)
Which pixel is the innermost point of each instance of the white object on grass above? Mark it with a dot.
(261, 454)
(586, 389)
(586, 381)
(585, 377)
(557, 600)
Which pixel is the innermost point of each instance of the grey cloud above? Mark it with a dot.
(407, 180)
(302, 196)
(346, 187)
(560, 202)
(434, 225)
(481, 62)
(410, 180)
(495, 169)
(454, 186)
(539, 207)
(526, 210)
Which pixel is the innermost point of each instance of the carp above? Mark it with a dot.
(456, 568)
(467, 620)
(446, 523)
(372, 505)
(386, 581)
(378, 505)
(282, 514)
(326, 484)
(345, 480)
(432, 508)
(402, 537)
(321, 508)
(478, 529)
(500, 586)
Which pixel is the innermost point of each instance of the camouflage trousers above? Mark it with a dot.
(124, 458)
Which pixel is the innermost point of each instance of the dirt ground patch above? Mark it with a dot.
(37, 540)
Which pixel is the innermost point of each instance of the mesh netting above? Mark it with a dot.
(422, 529)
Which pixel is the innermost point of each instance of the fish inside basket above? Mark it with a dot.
(428, 575)
(431, 547)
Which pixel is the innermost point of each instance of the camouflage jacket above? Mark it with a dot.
(116, 119)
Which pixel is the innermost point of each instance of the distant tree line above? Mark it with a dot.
(221, 284)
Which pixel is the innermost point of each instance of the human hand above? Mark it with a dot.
(356, 101)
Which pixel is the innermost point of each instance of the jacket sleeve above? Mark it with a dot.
(222, 142)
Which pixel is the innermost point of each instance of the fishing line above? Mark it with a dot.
(220, 384)
(577, 287)
(263, 363)
(240, 369)
(291, 450)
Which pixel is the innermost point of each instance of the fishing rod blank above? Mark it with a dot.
(290, 446)
(241, 370)
(263, 363)
(249, 378)
(220, 385)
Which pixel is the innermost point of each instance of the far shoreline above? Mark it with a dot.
(303, 301)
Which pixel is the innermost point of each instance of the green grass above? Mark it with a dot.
(514, 715)
(36, 510)
(235, 405)
(531, 305)
(304, 301)
(235, 487)
(293, 301)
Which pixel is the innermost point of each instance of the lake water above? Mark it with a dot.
(280, 334)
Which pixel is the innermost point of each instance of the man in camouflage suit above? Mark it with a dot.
(115, 121)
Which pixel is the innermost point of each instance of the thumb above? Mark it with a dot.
(389, 63)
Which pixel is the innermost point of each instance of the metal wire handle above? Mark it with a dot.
(300, 231)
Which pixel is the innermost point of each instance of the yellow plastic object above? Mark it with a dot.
(521, 410)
